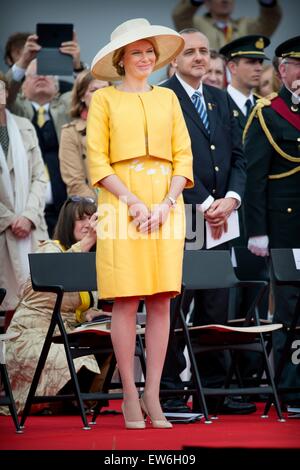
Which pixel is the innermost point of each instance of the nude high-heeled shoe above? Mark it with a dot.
(132, 424)
(156, 423)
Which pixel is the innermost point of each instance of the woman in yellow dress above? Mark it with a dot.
(139, 154)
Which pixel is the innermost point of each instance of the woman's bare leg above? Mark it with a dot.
(123, 335)
(157, 336)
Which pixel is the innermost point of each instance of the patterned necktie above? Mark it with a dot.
(41, 119)
(249, 107)
(197, 101)
(4, 139)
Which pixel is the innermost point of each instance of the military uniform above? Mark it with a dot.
(249, 47)
(272, 199)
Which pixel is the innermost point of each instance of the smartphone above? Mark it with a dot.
(53, 34)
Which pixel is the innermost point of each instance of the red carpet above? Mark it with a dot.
(65, 433)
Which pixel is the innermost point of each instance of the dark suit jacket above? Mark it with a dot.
(238, 114)
(218, 161)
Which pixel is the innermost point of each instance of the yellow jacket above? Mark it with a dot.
(122, 126)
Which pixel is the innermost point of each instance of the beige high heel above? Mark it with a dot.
(156, 423)
(132, 424)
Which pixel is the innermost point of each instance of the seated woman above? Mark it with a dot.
(75, 232)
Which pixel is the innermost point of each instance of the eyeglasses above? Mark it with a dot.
(81, 199)
(296, 64)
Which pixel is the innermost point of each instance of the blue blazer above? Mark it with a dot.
(218, 160)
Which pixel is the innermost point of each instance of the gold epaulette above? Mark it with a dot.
(260, 103)
(257, 112)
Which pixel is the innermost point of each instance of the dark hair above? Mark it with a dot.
(15, 41)
(216, 55)
(80, 86)
(74, 208)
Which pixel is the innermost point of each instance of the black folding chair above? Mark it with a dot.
(71, 272)
(7, 399)
(213, 270)
(285, 273)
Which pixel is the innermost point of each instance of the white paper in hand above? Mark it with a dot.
(296, 253)
(232, 232)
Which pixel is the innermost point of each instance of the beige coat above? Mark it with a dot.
(34, 210)
(31, 320)
(184, 16)
(72, 158)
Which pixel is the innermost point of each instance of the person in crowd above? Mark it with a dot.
(72, 148)
(75, 232)
(22, 199)
(244, 57)
(272, 197)
(219, 172)
(14, 48)
(269, 82)
(41, 102)
(139, 154)
(216, 75)
(218, 24)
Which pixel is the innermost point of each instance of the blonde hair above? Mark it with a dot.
(119, 53)
(80, 86)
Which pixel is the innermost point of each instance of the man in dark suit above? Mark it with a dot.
(219, 174)
(272, 198)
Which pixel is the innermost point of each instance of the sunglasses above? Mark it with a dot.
(81, 199)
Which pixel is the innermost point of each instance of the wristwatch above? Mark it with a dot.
(172, 201)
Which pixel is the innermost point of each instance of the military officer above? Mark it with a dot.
(244, 58)
(272, 199)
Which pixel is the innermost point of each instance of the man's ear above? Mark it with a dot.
(231, 65)
(174, 63)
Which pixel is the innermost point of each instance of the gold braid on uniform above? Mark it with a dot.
(260, 104)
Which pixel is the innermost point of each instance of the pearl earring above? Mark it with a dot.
(121, 64)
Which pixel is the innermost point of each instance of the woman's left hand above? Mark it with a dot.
(157, 218)
(91, 237)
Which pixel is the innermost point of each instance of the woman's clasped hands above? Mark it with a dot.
(148, 221)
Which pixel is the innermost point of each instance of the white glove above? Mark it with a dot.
(259, 245)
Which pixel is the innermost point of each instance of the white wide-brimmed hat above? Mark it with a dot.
(168, 41)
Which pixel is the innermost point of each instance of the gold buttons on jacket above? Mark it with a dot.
(212, 147)
(289, 209)
(216, 168)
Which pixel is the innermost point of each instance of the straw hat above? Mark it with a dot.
(169, 44)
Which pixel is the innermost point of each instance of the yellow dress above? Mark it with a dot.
(130, 263)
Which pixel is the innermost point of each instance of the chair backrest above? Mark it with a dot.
(2, 294)
(71, 272)
(249, 266)
(284, 266)
(208, 269)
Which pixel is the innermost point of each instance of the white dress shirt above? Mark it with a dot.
(240, 99)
